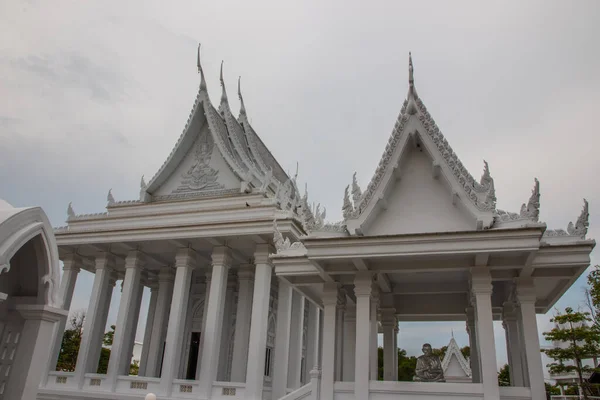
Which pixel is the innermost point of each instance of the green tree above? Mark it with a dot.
(504, 376)
(551, 390)
(108, 336)
(70, 343)
(466, 351)
(103, 361)
(582, 342)
(406, 366)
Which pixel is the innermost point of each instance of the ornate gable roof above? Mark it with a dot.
(414, 120)
(454, 350)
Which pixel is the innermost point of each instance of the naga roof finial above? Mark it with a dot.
(412, 93)
(411, 78)
(201, 71)
(224, 93)
(242, 106)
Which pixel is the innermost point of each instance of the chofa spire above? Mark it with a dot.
(412, 93)
(224, 92)
(201, 72)
(242, 106)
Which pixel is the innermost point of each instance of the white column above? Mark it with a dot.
(481, 290)
(282, 339)
(130, 340)
(363, 286)
(340, 360)
(214, 320)
(94, 323)
(71, 269)
(207, 277)
(242, 325)
(224, 356)
(185, 261)
(513, 343)
(312, 338)
(388, 319)
(526, 297)
(293, 381)
(474, 357)
(31, 359)
(331, 299)
(148, 330)
(98, 336)
(374, 362)
(119, 361)
(161, 315)
(259, 323)
(349, 342)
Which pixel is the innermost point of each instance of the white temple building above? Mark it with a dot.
(457, 368)
(255, 296)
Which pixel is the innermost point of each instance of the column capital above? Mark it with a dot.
(331, 293)
(166, 274)
(261, 254)
(221, 255)
(388, 316)
(185, 257)
(525, 290)
(245, 272)
(134, 259)
(481, 281)
(72, 262)
(105, 261)
(509, 311)
(363, 284)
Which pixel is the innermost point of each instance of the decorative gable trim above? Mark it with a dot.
(453, 349)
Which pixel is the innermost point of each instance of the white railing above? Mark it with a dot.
(310, 391)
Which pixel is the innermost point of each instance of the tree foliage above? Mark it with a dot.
(70, 343)
(581, 341)
(593, 295)
(504, 376)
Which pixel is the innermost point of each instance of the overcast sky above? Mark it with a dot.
(94, 94)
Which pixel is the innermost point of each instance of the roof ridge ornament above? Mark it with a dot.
(347, 207)
(242, 106)
(581, 225)
(223, 91)
(110, 198)
(201, 71)
(70, 211)
(531, 210)
(356, 192)
(412, 108)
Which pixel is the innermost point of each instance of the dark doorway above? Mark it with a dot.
(193, 356)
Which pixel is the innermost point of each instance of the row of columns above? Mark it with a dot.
(166, 320)
(358, 335)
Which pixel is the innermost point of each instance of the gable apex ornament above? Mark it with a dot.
(347, 207)
(223, 91)
(356, 192)
(242, 106)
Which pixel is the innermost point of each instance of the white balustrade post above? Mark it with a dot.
(331, 299)
(374, 362)
(481, 290)
(349, 342)
(526, 297)
(474, 356)
(95, 321)
(259, 323)
(282, 339)
(71, 268)
(363, 287)
(388, 322)
(161, 315)
(513, 343)
(214, 320)
(294, 373)
(185, 261)
(118, 364)
(242, 324)
(148, 329)
(315, 380)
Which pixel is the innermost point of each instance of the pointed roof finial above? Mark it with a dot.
(200, 71)
(411, 79)
(242, 106)
(224, 93)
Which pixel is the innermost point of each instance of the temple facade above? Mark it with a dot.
(255, 296)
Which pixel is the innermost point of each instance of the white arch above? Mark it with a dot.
(17, 227)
